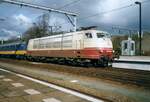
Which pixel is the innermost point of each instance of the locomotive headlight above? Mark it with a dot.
(101, 51)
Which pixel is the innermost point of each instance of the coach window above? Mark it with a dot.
(88, 35)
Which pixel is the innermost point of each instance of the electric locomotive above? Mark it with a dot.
(82, 46)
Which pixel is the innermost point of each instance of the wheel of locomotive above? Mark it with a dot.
(105, 63)
(110, 65)
(94, 63)
(61, 61)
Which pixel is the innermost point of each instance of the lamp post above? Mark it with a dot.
(140, 27)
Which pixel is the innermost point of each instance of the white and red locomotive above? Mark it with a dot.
(89, 45)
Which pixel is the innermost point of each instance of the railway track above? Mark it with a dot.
(135, 77)
(130, 79)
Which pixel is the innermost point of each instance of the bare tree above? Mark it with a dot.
(39, 29)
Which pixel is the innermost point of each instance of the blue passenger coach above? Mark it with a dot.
(13, 49)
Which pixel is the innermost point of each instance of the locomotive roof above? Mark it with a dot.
(83, 31)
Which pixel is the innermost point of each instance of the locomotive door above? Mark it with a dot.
(79, 45)
(79, 42)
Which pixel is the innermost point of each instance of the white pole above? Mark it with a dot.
(75, 24)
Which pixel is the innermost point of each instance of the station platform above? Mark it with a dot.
(133, 62)
(17, 89)
(134, 58)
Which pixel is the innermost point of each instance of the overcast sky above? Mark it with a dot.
(19, 19)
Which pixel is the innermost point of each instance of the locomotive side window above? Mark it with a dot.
(100, 35)
(88, 35)
(36, 44)
(57, 44)
(48, 43)
(41, 45)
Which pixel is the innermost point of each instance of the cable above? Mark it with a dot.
(113, 10)
(14, 12)
(97, 14)
(71, 3)
(112, 26)
(145, 1)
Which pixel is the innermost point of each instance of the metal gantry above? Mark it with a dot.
(73, 22)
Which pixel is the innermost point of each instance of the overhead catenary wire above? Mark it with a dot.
(97, 14)
(146, 1)
(38, 7)
(112, 10)
(14, 12)
(9, 17)
(112, 26)
(105, 12)
(69, 4)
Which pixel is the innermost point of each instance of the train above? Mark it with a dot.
(82, 47)
(13, 50)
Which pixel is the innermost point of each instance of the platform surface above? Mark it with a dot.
(17, 89)
(133, 62)
(134, 58)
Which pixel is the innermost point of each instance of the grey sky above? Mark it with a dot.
(18, 20)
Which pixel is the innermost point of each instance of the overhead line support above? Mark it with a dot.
(38, 7)
(43, 8)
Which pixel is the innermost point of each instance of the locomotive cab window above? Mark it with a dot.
(100, 35)
(88, 35)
